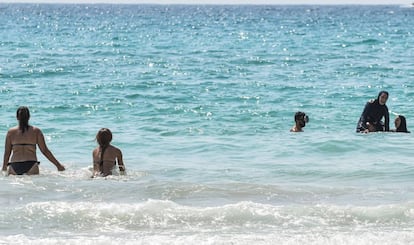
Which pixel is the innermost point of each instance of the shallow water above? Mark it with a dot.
(200, 99)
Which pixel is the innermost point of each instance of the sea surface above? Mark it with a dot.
(200, 99)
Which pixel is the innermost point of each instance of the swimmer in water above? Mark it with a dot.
(300, 122)
(400, 124)
(105, 155)
(374, 111)
(21, 146)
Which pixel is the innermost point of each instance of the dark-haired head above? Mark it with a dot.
(301, 118)
(403, 125)
(299, 115)
(23, 116)
(104, 137)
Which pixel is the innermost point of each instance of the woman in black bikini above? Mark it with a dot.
(20, 147)
(105, 156)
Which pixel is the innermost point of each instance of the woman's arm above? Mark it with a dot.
(7, 151)
(387, 119)
(362, 123)
(120, 162)
(46, 152)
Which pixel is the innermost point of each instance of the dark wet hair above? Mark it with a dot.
(403, 125)
(300, 115)
(104, 137)
(23, 116)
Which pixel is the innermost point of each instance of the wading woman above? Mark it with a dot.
(20, 147)
(105, 155)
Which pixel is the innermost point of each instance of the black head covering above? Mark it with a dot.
(403, 125)
(382, 92)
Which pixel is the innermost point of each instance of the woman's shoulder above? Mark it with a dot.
(114, 148)
(35, 130)
(13, 129)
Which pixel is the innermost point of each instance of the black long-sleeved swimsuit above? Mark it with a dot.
(373, 113)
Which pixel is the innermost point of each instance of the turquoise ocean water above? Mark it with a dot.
(200, 99)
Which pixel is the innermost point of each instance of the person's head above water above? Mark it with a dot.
(382, 97)
(104, 137)
(301, 118)
(300, 121)
(23, 116)
(401, 124)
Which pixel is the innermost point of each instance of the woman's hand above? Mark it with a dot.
(60, 167)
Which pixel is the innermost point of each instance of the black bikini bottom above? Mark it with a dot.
(22, 167)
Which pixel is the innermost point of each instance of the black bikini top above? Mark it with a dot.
(24, 145)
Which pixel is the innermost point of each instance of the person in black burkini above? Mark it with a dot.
(374, 111)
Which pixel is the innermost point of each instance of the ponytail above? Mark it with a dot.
(104, 138)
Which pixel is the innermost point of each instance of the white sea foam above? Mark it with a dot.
(166, 217)
(165, 222)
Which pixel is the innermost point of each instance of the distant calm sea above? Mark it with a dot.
(200, 99)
